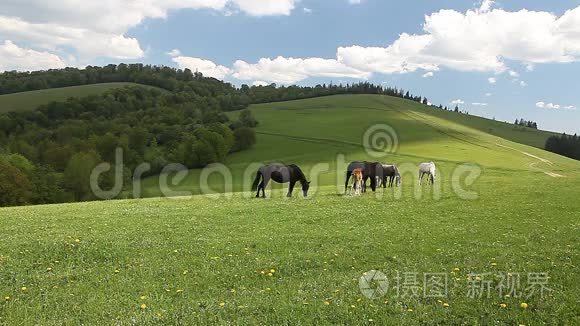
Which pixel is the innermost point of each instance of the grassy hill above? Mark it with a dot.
(31, 100)
(235, 259)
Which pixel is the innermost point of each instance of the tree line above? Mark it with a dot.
(526, 123)
(565, 145)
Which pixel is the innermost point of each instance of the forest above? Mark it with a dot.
(565, 145)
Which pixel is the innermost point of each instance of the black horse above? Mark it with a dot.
(280, 173)
(390, 174)
(371, 170)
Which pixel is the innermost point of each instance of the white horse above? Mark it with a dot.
(429, 169)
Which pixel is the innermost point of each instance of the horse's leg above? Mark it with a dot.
(264, 184)
(291, 188)
(348, 173)
(261, 184)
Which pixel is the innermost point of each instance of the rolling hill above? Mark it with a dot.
(31, 100)
(234, 259)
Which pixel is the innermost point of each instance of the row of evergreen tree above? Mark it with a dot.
(526, 123)
(566, 145)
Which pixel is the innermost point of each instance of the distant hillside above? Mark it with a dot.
(31, 100)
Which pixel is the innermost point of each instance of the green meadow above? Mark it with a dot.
(27, 101)
(499, 205)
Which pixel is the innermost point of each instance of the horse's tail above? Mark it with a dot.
(256, 181)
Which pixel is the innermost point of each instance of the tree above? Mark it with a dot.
(14, 185)
(244, 138)
(78, 171)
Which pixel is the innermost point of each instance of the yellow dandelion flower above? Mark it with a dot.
(7, 298)
(272, 270)
(262, 272)
(143, 306)
(456, 269)
(503, 305)
(352, 306)
(493, 264)
(326, 303)
(23, 288)
(371, 320)
(524, 305)
(222, 304)
(143, 297)
(185, 272)
(445, 304)
(49, 269)
(439, 301)
(270, 274)
(409, 310)
(77, 240)
(268, 289)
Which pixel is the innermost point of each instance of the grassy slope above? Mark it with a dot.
(193, 260)
(31, 100)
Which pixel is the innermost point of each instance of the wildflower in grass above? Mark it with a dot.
(178, 291)
(503, 305)
(326, 303)
(445, 304)
(371, 320)
(117, 271)
(410, 310)
(185, 272)
(49, 269)
(268, 289)
(143, 306)
(78, 240)
(222, 304)
(270, 274)
(524, 305)
(7, 298)
(272, 270)
(493, 264)
(456, 269)
(352, 306)
(24, 289)
(143, 297)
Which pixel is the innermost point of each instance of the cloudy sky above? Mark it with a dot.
(503, 59)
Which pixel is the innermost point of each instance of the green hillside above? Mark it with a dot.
(235, 259)
(31, 100)
(317, 130)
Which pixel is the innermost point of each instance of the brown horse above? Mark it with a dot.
(357, 181)
(370, 170)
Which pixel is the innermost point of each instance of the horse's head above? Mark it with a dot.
(398, 179)
(305, 187)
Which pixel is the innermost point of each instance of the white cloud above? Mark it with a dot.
(291, 70)
(260, 83)
(97, 28)
(174, 53)
(552, 106)
(477, 40)
(206, 67)
(307, 10)
(354, 2)
(488, 94)
(513, 74)
(428, 74)
(523, 83)
(530, 67)
(13, 57)
(266, 7)
(479, 104)
(492, 80)
(457, 101)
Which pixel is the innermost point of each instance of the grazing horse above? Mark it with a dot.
(282, 174)
(391, 172)
(357, 181)
(370, 171)
(429, 169)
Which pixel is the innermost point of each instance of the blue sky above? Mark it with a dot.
(445, 50)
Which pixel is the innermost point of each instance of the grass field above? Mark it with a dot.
(234, 259)
(33, 99)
